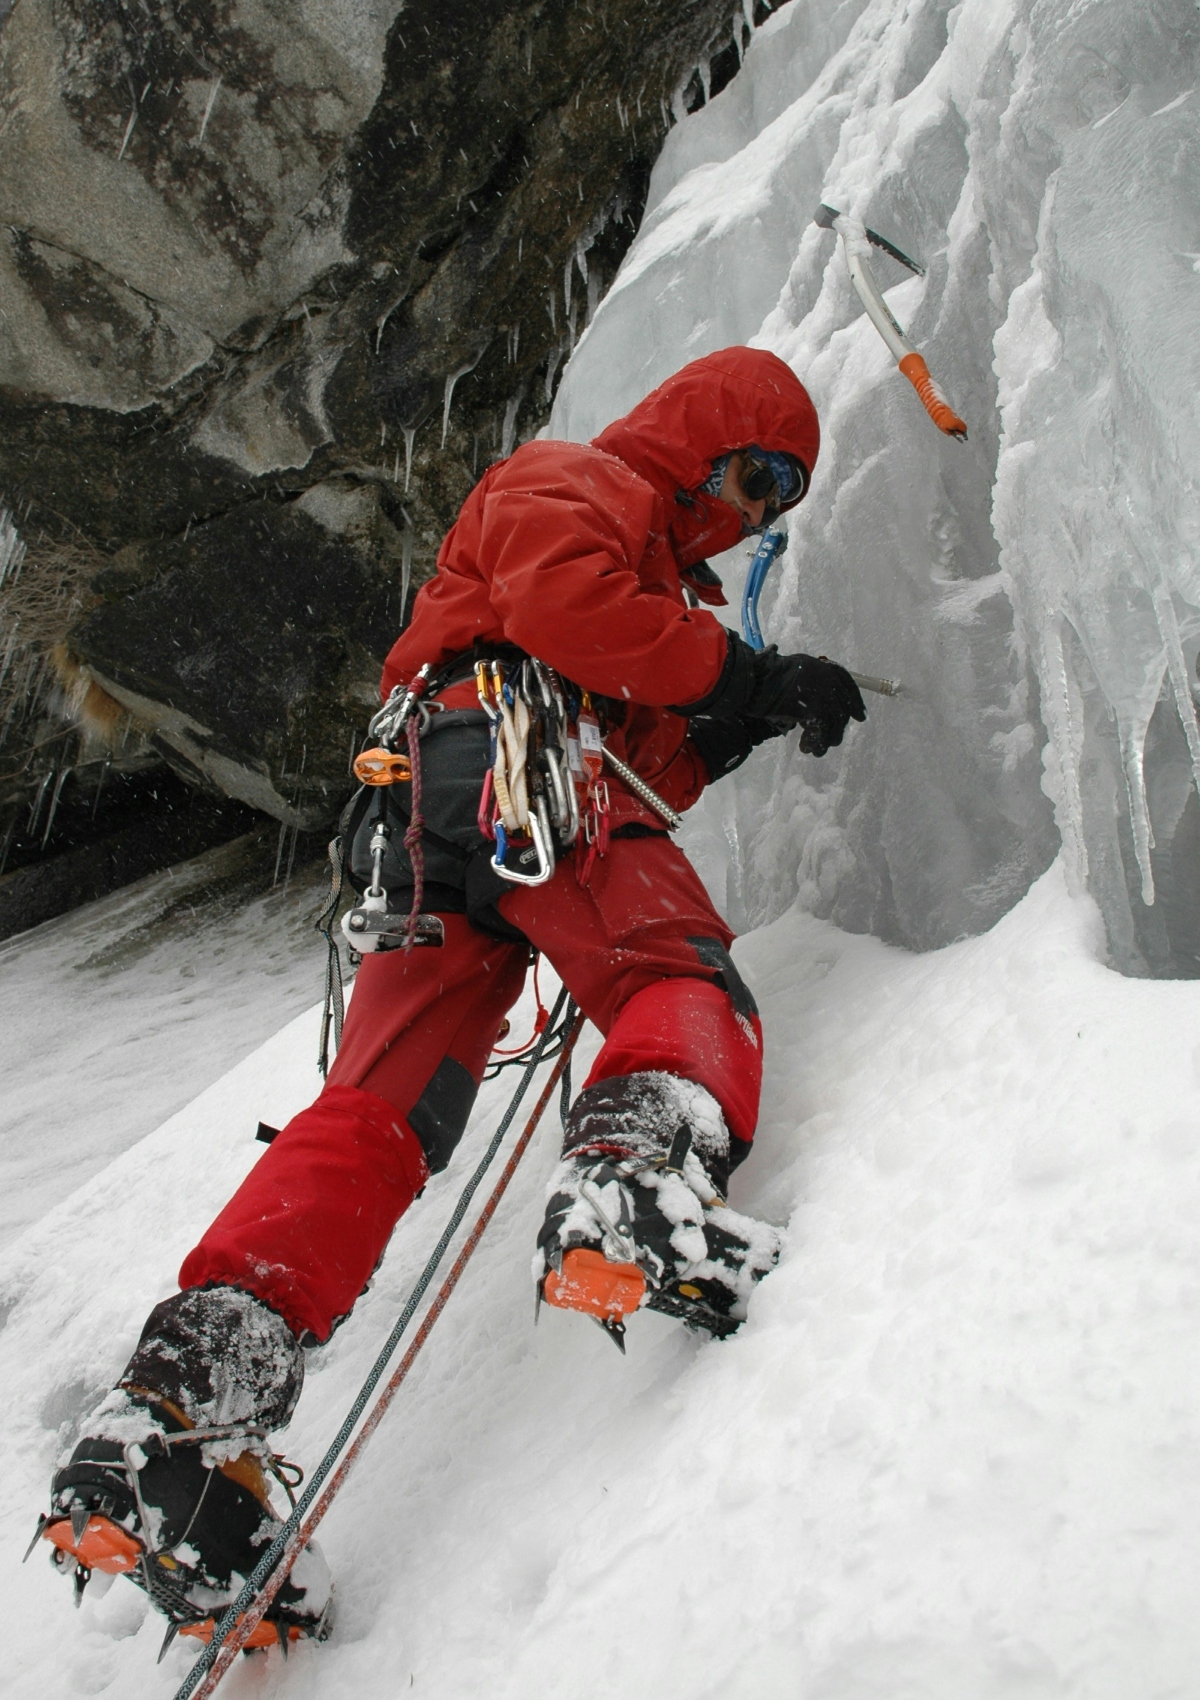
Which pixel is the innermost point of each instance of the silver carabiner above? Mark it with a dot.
(543, 844)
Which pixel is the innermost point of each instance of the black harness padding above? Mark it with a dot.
(455, 756)
(441, 1112)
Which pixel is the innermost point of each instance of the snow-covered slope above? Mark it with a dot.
(118, 1014)
(1036, 589)
(951, 1453)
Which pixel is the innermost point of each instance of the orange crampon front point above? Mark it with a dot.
(590, 1283)
(103, 1545)
(266, 1632)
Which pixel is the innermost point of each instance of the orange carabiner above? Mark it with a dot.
(381, 767)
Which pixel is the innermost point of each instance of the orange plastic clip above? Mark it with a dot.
(381, 767)
(590, 1283)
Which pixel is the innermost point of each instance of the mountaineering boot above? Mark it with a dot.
(635, 1212)
(169, 1483)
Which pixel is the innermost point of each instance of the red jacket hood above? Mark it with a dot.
(721, 402)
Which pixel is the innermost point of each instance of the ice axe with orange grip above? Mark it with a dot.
(855, 240)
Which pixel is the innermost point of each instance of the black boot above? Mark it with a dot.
(636, 1213)
(169, 1484)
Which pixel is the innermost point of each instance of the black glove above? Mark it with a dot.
(725, 744)
(789, 690)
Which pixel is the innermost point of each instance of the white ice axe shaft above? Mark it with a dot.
(855, 238)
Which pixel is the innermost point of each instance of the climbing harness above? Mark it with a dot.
(234, 1629)
(856, 239)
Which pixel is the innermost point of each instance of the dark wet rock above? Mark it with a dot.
(144, 821)
(279, 284)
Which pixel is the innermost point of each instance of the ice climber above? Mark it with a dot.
(592, 559)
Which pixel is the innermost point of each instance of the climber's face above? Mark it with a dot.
(752, 513)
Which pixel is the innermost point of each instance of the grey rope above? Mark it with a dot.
(266, 1564)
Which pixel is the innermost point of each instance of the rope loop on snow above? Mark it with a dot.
(234, 1628)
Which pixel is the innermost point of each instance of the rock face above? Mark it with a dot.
(278, 284)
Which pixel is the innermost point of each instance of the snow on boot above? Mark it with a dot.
(169, 1483)
(635, 1215)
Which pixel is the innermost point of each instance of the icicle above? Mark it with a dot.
(748, 14)
(568, 273)
(212, 98)
(100, 786)
(551, 309)
(59, 783)
(8, 838)
(704, 71)
(1133, 745)
(36, 809)
(279, 854)
(406, 550)
(1064, 722)
(509, 435)
(12, 549)
(450, 383)
(133, 118)
(1184, 701)
(593, 295)
(410, 432)
(556, 355)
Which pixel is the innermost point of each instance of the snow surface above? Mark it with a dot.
(1037, 590)
(951, 1452)
(117, 1014)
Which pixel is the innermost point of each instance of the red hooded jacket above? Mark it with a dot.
(574, 553)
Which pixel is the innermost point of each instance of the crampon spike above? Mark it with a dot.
(172, 1632)
(615, 1329)
(590, 1283)
(37, 1534)
(81, 1516)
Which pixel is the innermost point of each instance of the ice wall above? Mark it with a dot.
(1037, 590)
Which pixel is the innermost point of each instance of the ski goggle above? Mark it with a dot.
(774, 477)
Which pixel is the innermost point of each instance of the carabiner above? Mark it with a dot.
(539, 832)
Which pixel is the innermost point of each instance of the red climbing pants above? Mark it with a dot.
(643, 953)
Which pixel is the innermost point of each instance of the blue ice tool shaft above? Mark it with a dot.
(772, 546)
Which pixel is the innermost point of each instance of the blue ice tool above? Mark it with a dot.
(772, 546)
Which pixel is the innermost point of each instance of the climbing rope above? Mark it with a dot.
(233, 1629)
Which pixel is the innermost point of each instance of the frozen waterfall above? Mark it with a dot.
(1038, 589)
